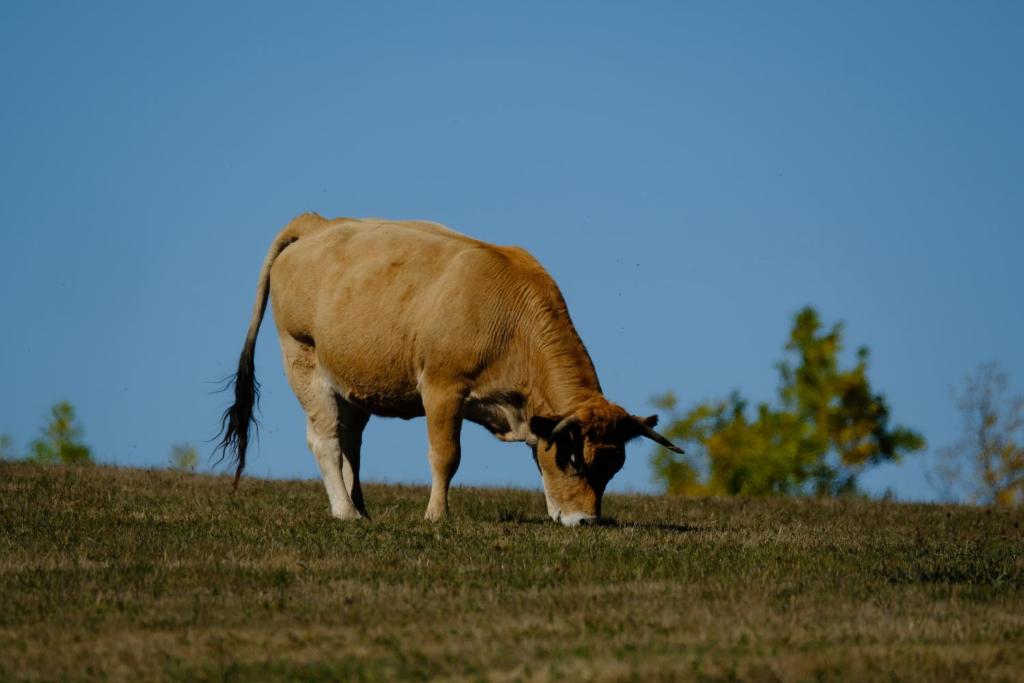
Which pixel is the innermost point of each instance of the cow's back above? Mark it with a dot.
(383, 302)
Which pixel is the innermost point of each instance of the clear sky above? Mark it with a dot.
(690, 173)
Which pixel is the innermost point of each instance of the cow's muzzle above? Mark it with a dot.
(577, 519)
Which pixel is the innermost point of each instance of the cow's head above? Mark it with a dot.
(579, 453)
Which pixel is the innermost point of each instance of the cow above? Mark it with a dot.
(408, 319)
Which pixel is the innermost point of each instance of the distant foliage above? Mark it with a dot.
(184, 457)
(59, 441)
(828, 426)
(987, 463)
(7, 451)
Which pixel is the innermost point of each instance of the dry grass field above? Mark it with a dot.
(120, 574)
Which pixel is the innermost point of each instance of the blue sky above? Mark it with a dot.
(691, 174)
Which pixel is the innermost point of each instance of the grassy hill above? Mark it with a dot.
(130, 574)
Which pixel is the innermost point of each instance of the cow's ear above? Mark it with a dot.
(542, 426)
(636, 426)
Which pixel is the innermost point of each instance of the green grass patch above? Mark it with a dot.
(137, 575)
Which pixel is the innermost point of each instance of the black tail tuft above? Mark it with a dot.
(233, 438)
(236, 421)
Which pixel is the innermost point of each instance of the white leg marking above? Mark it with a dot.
(328, 457)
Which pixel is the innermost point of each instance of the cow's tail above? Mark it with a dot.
(238, 419)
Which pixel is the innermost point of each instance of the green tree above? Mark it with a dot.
(184, 457)
(828, 426)
(59, 439)
(987, 463)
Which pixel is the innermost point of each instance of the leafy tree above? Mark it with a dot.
(988, 462)
(184, 457)
(59, 440)
(828, 426)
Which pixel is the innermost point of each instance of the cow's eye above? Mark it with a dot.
(575, 461)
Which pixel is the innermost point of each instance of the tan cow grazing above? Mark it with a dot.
(408, 318)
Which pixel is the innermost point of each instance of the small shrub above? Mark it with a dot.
(59, 441)
(184, 457)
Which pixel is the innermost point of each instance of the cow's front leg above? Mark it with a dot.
(444, 423)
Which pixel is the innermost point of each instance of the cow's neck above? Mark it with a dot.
(556, 378)
(563, 373)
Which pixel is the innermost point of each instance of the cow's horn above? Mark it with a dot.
(658, 438)
(566, 422)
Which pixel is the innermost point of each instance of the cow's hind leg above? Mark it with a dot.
(323, 422)
(352, 422)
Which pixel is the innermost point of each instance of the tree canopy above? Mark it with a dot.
(828, 426)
